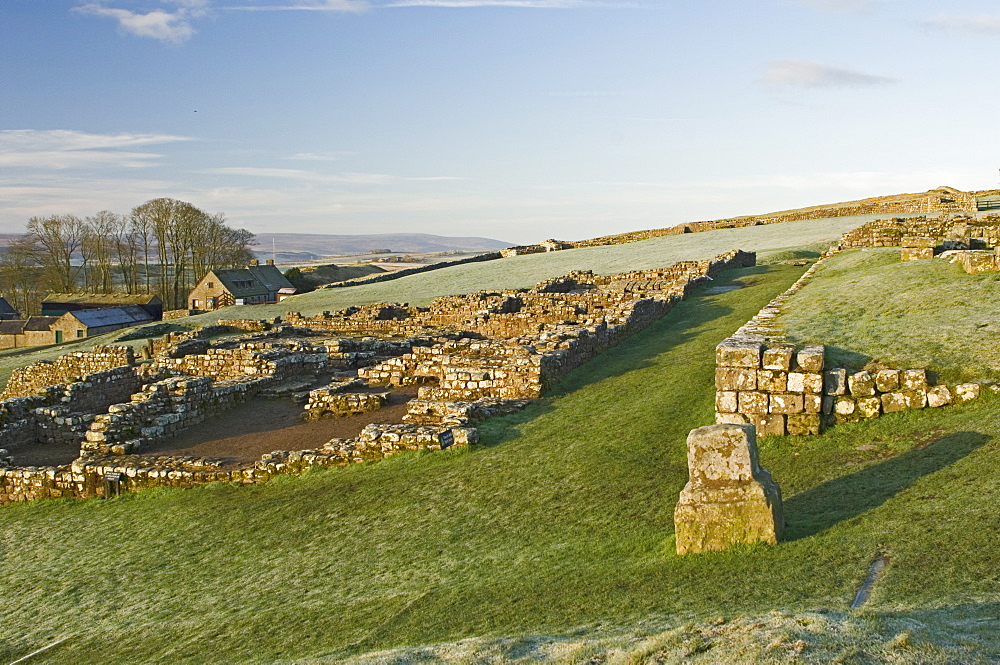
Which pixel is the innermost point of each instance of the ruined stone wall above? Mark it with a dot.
(782, 388)
(945, 231)
(66, 368)
(269, 359)
(325, 402)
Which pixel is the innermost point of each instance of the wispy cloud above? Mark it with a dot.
(334, 156)
(171, 26)
(805, 74)
(840, 6)
(308, 6)
(982, 24)
(62, 149)
(531, 4)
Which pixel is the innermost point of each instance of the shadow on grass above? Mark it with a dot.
(817, 509)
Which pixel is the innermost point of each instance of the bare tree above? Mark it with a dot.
(59, 237)
(98, 244)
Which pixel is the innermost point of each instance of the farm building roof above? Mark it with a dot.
(110, 299)
(112, 316)
(40, 323)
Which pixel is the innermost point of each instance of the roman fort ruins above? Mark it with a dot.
(456, 362)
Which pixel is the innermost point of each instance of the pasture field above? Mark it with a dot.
(869, 307)
(552, 539)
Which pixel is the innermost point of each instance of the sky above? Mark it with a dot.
(512, 119)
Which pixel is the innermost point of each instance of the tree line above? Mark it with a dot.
(161, 247)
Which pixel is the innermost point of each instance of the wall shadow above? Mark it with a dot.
(821, 507)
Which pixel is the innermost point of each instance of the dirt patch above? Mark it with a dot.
(253, 428)
(243, 433)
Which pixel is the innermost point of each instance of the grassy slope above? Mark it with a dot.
(561, 519)
(866, 304)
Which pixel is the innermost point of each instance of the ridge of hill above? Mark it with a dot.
(317, 245)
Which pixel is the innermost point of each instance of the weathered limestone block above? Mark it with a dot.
(778, 357)
(810, 358)
(727, 401)
(738, 354)
(978, 262)
(916, 253)
(799, 382)
(804, 424)
(768, 424)
(869, 407)
(966, 391)
(887, 380)
(735, 378)
(939, 396)
(892, 402)
(731, 419)
(913, 379)
(729, 499)
(772, 381)
(786, 403)
(861, 384)
(753, 402)
(845, 406)
(835, 381)
(915, 399)
(812, 403)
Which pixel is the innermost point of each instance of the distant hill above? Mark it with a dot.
(309, 246)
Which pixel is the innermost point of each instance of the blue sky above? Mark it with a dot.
(514, 119)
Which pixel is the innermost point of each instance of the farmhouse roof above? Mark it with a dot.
(39, 323)
(111, 316)
(12, 327)
(270, 277)
(110, 299)
(240, 282)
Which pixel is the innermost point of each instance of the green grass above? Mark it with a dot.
(559, 523)
(868, 306)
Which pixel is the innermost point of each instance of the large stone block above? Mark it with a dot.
(801, 382)
(916, 253)
(939, 396)
(772, 424)
(729, 499)
(967, 391)
(804, 424)
(887, 380)
(786, 403)
(778, 357)
(731, 419)
(812, 403)
(735, 378)
(727, 401)
(913, 379)
(772, 381)
(810, 358)
(861, 384)
(835, 381)
(738, 354)
(753, 402)
(869, 407)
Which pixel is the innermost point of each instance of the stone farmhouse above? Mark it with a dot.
(7, 311)
(57, 304)
(45, 330)
(256, 284)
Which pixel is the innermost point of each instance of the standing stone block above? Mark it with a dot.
(915, 399)
(726, 401)
(731, 419)
(778, 357)
(735, 378)
(966, 391)
(835, 382)
(913, 379)
(810, 358)
(812, 403)
(768, 424)
(939, 396)
(861, 384)
(869, 407)
(772, 381)
(799, 382)
(786, 403)
(845, 406)
(892, 402)
(730, 499)
(753, 402)
(887, 380)
(804, 424)
(738, 354)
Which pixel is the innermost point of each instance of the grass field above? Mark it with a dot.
(556, 529)
(867, 305)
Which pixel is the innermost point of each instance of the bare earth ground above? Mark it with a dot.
(244, 433)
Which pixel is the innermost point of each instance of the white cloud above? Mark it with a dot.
(62, 149)
(532, 4)
(982, 24)
(804, 74)
(309, 6)
(313, 176)
(172, 27)
(334, 156)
